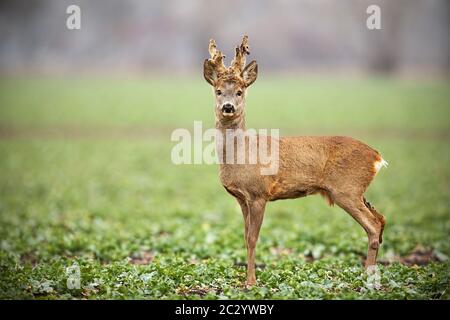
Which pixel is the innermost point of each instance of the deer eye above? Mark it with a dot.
(218, 92)
(239, 93)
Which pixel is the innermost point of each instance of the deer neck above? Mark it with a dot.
(234, 124)
(224, 127)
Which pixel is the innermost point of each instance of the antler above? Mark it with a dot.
(216, 56)
(238, 63)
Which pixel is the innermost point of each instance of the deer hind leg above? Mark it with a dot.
(357, 208)
(377, 215)
(254, 220)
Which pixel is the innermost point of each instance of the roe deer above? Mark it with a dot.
(338, 168)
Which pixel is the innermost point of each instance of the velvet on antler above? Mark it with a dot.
(214, 67)
(238, 63)
(216, 57)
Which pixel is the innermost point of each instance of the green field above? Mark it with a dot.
(86, 180)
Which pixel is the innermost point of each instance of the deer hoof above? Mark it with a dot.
(250, 283)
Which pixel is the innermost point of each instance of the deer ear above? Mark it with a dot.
(209, 72)
(250, 73)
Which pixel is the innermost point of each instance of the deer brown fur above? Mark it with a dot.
(338, 168)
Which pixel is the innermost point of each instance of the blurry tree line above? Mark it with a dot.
(172, 35)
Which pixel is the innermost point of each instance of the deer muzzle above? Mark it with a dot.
(228, 109)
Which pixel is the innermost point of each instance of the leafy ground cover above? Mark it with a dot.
(87, 181)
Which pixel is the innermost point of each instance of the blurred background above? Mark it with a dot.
(85, 123)
(171, 36)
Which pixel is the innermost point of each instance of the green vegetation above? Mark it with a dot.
(86, 179)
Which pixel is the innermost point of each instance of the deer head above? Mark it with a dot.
(230, 84)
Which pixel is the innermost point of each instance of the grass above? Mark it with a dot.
(139, 227)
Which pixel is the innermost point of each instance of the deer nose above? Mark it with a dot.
(228, 108)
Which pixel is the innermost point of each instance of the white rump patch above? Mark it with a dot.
(379, 164)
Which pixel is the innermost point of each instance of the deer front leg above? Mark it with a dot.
(254, 220)
(244, 208)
